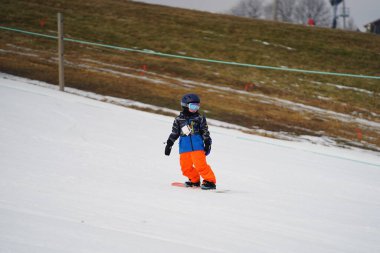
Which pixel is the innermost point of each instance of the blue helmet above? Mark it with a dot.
(189, 98)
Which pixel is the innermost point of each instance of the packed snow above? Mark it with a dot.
(80, 175)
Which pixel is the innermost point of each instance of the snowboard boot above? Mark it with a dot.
(191, 184)
(206, 185)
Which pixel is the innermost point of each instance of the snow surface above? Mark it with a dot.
(79, 175)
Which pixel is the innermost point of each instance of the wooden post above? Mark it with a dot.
(60, 53)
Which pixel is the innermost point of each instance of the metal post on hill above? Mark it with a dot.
(60, 53)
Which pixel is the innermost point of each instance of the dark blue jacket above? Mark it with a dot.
(196, 138)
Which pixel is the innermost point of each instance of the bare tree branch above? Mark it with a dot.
(315, 9)
(285, 10)
(295, 11)
(248, 8)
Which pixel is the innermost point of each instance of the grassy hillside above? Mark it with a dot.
(275, 100)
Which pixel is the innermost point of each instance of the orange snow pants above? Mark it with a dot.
(194, 166)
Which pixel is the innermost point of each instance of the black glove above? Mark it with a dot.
(207, 147)
(168, 147)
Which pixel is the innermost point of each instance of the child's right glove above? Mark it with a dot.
(168, 148)
(207, 147)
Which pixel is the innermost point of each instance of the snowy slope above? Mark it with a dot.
(79, 175)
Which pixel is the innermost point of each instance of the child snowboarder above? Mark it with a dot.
(194, 144)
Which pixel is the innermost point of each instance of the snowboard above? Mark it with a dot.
(182, 185)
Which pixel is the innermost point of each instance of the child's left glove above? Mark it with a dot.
(207, 147)
(168, 148)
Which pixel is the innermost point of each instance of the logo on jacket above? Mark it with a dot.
(188, 129)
